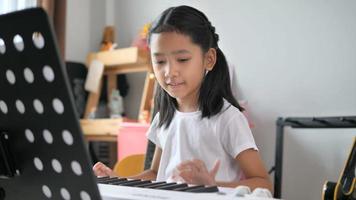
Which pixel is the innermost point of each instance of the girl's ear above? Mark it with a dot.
(210, 59)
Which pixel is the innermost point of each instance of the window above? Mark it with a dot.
(12, 5)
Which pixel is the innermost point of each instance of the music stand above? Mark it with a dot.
(42, 153)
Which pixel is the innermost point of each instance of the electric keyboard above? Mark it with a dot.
(124, 189)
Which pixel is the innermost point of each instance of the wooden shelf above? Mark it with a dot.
(119, 61)
(101, 129)
(128, 57)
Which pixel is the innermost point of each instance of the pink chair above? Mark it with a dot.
(131, 139)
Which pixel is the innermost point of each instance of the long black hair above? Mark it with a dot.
(216, 84)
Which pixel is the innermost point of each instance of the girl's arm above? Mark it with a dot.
(102, 170)
(255, 173)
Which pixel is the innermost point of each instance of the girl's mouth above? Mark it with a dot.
(175, 85)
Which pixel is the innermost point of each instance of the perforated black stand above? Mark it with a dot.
(42, 153)
(302, 122)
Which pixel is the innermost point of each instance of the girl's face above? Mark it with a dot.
(179, 65)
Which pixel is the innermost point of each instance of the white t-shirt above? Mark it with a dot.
(222, 137)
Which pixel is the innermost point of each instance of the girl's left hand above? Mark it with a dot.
(195, 172)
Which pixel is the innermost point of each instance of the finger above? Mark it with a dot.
(99, 172)
(100, 166)
(200, 165)
(175, 178)
(184, 164)
(97, 165)
(101, 169)
(215, 169)
(108, 171)
(97, 168)
(197, 165)
(186, 177)
(186, 167)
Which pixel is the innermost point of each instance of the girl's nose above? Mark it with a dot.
(170, 70)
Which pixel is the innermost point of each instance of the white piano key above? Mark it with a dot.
(112, 192)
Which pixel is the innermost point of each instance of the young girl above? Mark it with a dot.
(201, 136)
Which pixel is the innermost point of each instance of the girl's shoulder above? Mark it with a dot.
(229, 114)
(154, 125)
(228, 110)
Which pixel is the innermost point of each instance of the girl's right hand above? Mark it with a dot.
(195, 172)
(102, 170)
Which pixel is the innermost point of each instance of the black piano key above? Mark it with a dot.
(125, 182)
(160, 185)
(205, 189)
(115, 180)
(102, 178)
(171, 187)
(189, 188)
(151, 184)
(111, 180)
(134, 184)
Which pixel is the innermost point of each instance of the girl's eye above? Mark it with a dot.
(160, 62)
(183, 59)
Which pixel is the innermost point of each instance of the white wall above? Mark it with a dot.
(85, 24)
(77, 30)
(292, 58)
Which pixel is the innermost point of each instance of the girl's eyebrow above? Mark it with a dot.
(182, 51)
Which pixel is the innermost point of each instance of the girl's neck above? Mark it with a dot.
(185, 105)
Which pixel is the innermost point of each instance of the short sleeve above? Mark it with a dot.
(152, 133)
(237, 135)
